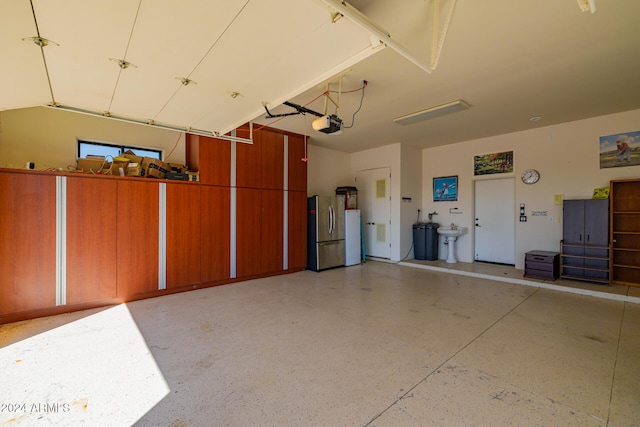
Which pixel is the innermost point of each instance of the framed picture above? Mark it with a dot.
(445, 189)
(618, 150)
(487, 164)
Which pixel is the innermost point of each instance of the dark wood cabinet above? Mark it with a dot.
(211, 157)
(259, 232)
(272, 231)
(216, 234)
(137, 237)
(28, 242)
(248, 232)
(541, 265)
(183, 234)
(126, 238)
(297, 163)
(297, 231)
(585, 240)
(249, 163)
(91, 239)
(271, 146)
(625, 231)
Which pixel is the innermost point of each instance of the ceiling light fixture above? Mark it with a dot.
(587, 5)
(535, 119)
(122, 63)
(40, 41)
(186, 81)
(430, 113)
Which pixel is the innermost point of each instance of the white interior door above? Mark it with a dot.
(495, 221)
(374, 201)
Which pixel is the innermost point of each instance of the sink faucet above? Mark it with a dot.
(431, 214)
(453, 226)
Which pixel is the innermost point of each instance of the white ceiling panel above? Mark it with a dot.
(89, 33)
(169, 40)
(272, 52)
(23, 80)
(266, 50)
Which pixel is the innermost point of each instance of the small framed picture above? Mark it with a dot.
(445, 189)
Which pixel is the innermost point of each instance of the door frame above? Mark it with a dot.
(369, 174)
(511, 208)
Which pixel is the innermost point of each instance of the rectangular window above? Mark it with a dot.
(86, 148)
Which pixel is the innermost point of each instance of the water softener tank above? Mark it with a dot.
(420, 240)
(431, 241)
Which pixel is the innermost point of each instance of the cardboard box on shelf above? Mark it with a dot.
(134, 169)
(154, 168)
(116, 168)
(132, 157)
(177, 168)
(194, 176)
(92, 166)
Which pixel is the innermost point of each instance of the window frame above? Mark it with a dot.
(121, 147)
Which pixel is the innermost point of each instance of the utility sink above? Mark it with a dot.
(451, 233)
(454, 231)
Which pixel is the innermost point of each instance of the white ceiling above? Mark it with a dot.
(510, 60)
(239, 54)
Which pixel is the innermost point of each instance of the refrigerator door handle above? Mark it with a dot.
(333, 219)
(330, 219)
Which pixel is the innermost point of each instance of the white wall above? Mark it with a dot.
(410, 188)
(567, 157)
(48, 137)
(326, 170)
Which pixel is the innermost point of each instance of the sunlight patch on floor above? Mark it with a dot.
(85, 372)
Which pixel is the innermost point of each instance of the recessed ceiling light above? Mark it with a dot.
(535, 119)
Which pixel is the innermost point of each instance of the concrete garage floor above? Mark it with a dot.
(377, 344)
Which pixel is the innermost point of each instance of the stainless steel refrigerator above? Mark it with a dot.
(325, 232)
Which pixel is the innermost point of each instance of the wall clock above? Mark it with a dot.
(530, 176)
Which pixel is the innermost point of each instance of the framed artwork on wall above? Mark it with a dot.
(487, 164)
(445, 189)
(618, 150)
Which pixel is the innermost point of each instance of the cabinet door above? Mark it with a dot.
(272, 159)
(297, 164)
(137, 237)
(211, 157)
(596, 222)
(573, 222)
(215, 233)
(183, 235)
(28, 242)
(249, 163)
(91, 239)
(272, 231)
(248, 232)
(297, 233)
